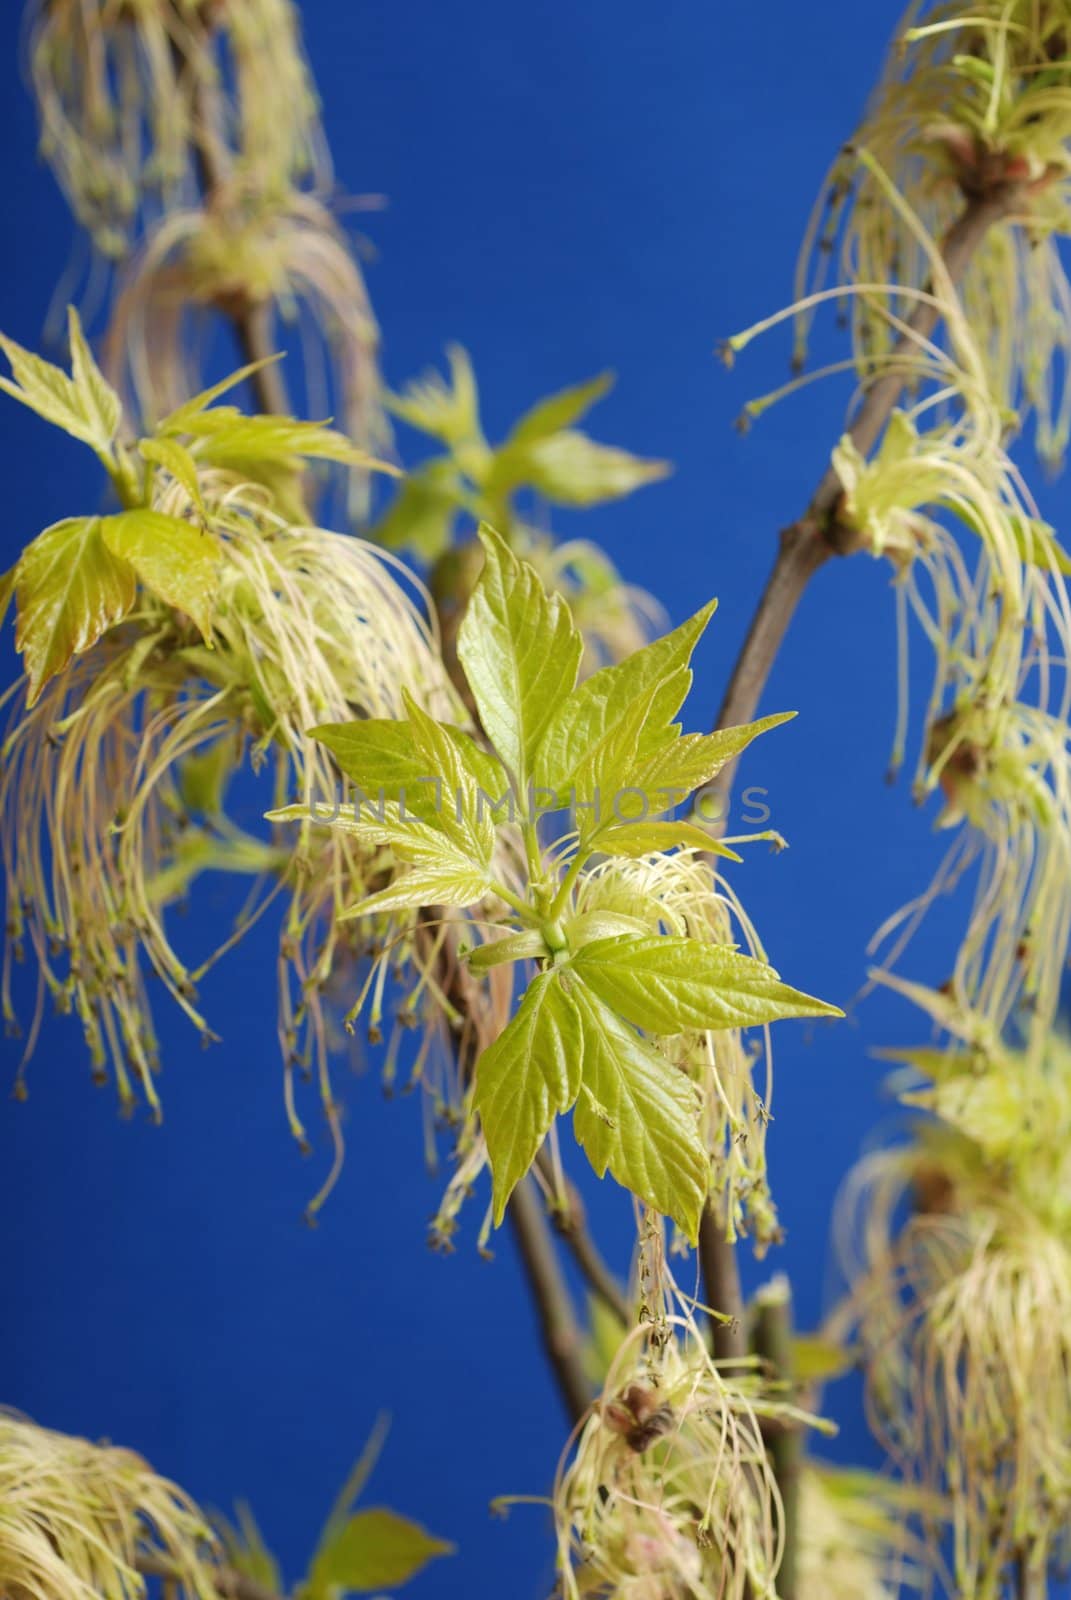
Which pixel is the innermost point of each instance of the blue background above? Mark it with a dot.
(571, 188)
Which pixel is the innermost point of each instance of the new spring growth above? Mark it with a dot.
(605, 989)
(203, 630)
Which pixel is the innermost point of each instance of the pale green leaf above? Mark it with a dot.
(645, 838)
(178, 421)
(421, 517)
(525, 1079)
(229, 439)
(69, 590)
(446, 410)
(176, 460)
(460, 812)
(98, 401)
(599, 790)
(669, 985)
(381, 757)
(373, 1550)
(693, 760)
(524, 946)
(179, 563)
(48, 390)
(457, 885)
(591, 925)
(560, 410)
(599, 704)
(637, 1115)
(569, 469)
(520, 651)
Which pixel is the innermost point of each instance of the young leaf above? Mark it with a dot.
(46, 389)
(696, 758)
(560, 410)
(459, 884)
(373, 1550)
(421, 516)
(380, 754)
(459, 815)
(227, 438)
(637, 1115)
(569, 469)
(645, 838)
(448, 411)
(69, 589)
(176, 561)
(524, 946)
(178, 421)
(98, 401)
(520, 651)
(599, 704)
(177, 460)
(668, 985)
(525, 1079)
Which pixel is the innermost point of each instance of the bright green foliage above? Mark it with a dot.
(79, 578)
(376, 1549)
(545, 454)
(606, 987)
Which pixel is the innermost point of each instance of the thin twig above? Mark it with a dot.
(550, 1295)
(569, 1219)
(806, 545)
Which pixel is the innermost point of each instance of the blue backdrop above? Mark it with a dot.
(571, 188)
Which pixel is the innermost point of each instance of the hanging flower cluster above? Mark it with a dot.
(963, 1311)
(974, 106)
(165, 646)
(122, 85)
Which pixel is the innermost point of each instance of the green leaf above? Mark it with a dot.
(520, 651)
(178, 421)
(560, 410)
(525, 1079)
(645, 838)
(83, 406)
(602, 701)
(446, 410)
(69, 590)
(373, 1550)
(569, 469)
(457, 884)
(668, 985)
(637, 1115)
(176, 561)
(693, 760)
(227, 438)
(524, 946)
(445, 873)
(460, 815)
(176, 460)
(381, 757)
(421, 517)
(99, 403)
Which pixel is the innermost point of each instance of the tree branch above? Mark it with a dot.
(550, 1295)
(569, 1220)
(806, 545)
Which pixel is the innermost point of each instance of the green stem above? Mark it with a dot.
(773, 1342)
